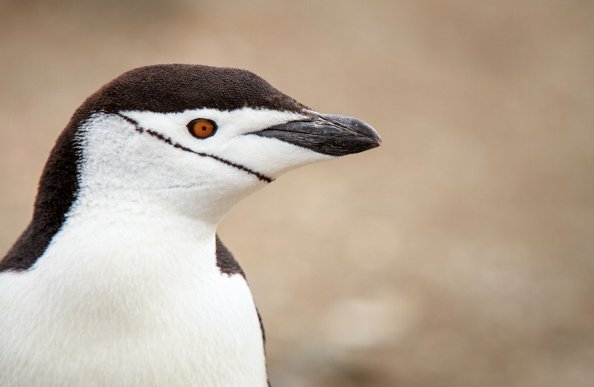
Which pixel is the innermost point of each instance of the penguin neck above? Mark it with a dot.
(177, 204)
(127, 249)
(145, 217)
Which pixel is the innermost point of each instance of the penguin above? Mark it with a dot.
(120, 278)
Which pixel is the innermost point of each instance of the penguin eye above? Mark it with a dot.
(202, 128)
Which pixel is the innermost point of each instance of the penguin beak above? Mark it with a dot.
(326, 134)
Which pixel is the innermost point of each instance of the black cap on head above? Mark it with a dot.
(179, 87)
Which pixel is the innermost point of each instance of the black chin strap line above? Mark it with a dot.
(176, 145)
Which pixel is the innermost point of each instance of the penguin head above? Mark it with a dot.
(196, 138)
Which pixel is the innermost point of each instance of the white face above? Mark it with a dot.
(153, 158)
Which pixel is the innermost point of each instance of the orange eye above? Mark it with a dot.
(202, 128)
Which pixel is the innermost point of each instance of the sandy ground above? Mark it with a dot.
(460, 253)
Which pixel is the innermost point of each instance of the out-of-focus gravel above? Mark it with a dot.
(460, 253)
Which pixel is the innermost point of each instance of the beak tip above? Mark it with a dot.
(369, 132)
(375, 137)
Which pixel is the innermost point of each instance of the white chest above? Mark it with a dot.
(112, 305)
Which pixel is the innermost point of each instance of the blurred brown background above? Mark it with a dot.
(460, 253)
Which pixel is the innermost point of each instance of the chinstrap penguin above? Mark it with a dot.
(120, 278)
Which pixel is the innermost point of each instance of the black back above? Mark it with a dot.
(57, 189)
